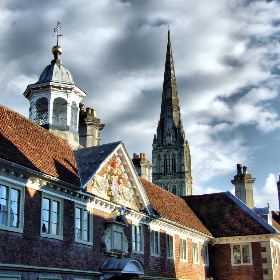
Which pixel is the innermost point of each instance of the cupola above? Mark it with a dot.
(54, 99)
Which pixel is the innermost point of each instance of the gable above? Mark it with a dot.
(106, 171)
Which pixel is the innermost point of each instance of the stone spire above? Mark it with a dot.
(171, 154)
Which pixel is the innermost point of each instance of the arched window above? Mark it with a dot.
(158, 165)
(74, 116)
(165, 165)
(173, 164)
(41, 111)
(59, 116)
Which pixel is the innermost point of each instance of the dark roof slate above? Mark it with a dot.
(276, 219)
(29, 145)
(89, 159)
(225, 215)
(172, 207)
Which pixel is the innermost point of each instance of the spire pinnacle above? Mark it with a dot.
(168, 36)
(169, 73)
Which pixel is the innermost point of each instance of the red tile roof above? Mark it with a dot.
(31, 146)
(172, 207)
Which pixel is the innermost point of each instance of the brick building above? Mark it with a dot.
(85, 214)
(72, 212)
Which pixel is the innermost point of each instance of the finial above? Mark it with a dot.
(56, 31)
(57, 50)
(168, 34)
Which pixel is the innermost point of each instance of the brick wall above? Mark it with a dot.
(223, 270)
(31, 249)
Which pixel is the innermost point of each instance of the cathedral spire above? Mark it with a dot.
(169, 73)
(170, 108)
(171, 154)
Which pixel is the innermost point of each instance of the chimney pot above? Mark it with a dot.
(239, 168)
(244, 169)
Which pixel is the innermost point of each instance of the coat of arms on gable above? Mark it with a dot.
(112, 182)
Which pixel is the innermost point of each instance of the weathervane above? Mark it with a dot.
(56, 30)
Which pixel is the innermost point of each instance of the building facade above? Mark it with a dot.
(71, 212)
(85, 214)
(171, 153)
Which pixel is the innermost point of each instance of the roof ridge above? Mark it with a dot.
(251, 212)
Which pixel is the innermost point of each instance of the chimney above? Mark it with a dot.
(243, 183)
(89, 127)
(142, 166)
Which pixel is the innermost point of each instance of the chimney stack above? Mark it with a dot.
(142, 166)
(243, 183)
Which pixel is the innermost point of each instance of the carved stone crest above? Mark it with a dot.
(113, 183)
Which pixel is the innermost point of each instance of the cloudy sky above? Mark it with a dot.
(226, 56)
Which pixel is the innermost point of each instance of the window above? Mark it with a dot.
(165, 166)
(169, 247)
(205, 254)
(49, 278)
(51, 217)
(11, 208)
(154, 242)
(59, 115)
(7, 277)
(183, 249)
(195, 252)
(174, 190)
(74, 116)
(83, 225)
(241, 254)
(275, 254)
(41, 111)
(137, 238)
(173, 165)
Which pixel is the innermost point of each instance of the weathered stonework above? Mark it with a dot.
(171, 152)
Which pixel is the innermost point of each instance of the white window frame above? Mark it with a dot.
(89, 224)
(233, 259)
(9, 277)
(137, 238)
(205, 254)
(59, 235)
(195, 250)
(275, 256)
(169, 246)
(21, 190)
(183, 249)
(50, 278)
(155, 243)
